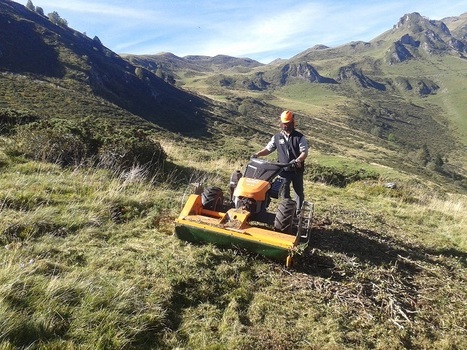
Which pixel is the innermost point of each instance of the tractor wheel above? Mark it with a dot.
(212, 198)
(285, 215)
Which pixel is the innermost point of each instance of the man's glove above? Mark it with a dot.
(294, 163)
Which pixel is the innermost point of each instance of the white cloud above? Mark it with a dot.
(278, 30)
(93, 8)
(255, 29)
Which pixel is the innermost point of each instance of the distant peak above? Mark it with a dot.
(416, 23)
(320, 47)
(413, 17)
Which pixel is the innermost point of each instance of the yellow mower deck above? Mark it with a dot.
(231, 229)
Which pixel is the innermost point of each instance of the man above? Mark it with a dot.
(291, 146)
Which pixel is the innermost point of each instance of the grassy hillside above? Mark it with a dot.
(88, 259)
(94, 170)
(61, 71)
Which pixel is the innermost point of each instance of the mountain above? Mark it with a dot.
(170, 67)
(405, 82)
(420, 36)
(58, 59)
(413, 37)
(169, 61)
(364, 100)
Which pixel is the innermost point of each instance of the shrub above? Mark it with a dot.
(339, 177)
(10, 118)
(130, 147)
(47, 142)
(70, 142)
(55, 140)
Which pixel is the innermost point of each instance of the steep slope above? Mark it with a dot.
(419, 37)
(415, 35)
(60, 58)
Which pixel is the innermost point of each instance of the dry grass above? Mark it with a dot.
(88, 260)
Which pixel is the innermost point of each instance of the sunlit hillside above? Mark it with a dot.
(98, 154)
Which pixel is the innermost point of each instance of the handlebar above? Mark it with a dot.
(265, 170)
(264, 161)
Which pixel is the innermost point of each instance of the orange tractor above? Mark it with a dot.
(244, 219)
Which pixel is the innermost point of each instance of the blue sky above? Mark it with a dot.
(262, 30)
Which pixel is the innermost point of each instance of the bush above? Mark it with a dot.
(339, 177)
(51, 141)
(10, 118)
(128, 148)
(71, 142)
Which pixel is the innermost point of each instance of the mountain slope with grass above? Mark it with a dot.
(401, 92)
(90, 187)
(56, 63)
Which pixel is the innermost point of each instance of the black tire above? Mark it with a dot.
(285, 216)
(212, 198)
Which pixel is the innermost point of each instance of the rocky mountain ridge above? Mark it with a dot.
(356, 87)
(423, 36)
(413, 37)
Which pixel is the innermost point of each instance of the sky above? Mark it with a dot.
(263, 30)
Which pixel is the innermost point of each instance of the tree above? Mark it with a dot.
(377, 131)
(439, 162)
(55, 18)
(139, 73)
(159, 73)
(40, 10)
(30, 6)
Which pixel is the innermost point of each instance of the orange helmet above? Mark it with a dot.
(287, 117)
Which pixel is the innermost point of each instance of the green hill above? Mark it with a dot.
(354, 101)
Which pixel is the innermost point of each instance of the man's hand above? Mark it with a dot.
(296, 163)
